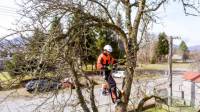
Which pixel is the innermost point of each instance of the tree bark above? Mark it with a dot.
(78, 90)
(131, 53)
(92, 98)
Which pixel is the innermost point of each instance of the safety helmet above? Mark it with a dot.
(108, 48)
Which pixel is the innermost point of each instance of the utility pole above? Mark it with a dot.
(170, 70)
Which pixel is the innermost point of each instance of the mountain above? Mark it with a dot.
(195, 48)
(11, 44)
(191, 48)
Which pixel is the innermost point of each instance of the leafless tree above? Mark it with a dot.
(62, 48)
(147, 49)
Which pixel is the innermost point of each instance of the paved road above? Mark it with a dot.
(56, 102)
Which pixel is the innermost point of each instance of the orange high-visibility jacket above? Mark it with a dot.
(104, 60)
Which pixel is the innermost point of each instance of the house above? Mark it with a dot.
(177, 58)
(191, 88)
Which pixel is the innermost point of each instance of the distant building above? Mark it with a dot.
(177, 58)
(191, 88)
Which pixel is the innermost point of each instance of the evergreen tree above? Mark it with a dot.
(16, 66)
(107, 37)
(184, 51)
(35, 42)
(183, 47)
(26, 61)
(162, 48)
(84, 41)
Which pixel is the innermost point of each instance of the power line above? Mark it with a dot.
(10, 10)
(2, 27)
(6, 7)
(9, 14)
(7, 10)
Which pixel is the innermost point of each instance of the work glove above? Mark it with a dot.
(109, 67)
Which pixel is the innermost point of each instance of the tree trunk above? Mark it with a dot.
(86, 66)
(131, 52)
(92, 99)
(78, 90)
(92, 66)
(131, 59)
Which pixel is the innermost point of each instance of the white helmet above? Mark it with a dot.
(108, 48)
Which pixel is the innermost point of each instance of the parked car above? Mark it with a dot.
(118, 74)
(43, 85)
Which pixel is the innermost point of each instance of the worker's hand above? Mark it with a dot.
(110, 67)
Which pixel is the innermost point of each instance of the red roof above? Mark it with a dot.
(193, 76)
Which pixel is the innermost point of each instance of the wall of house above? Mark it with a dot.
(197, 94)
(187, 91)
(191, 93)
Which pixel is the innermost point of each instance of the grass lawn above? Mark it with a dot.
(172, 109)
(88, 68)
(8, 81)
(164, 66)
(5, 76)
(156, 110)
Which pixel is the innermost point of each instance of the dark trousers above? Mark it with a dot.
(109, 79)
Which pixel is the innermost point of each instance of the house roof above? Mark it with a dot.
(193, 76)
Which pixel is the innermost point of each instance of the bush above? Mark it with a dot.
(16, 65)
(153, 60)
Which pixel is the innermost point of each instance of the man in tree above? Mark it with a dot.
(99, 14)
(104, 63)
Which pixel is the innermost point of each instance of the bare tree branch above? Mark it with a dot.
(106, 10)
(156, 7)
(143, 31)
(101, 24)
(192, 6)
(92, 98)
(141, 107)
(135, 4)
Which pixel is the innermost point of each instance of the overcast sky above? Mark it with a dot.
(173, 21)
(8, 15)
